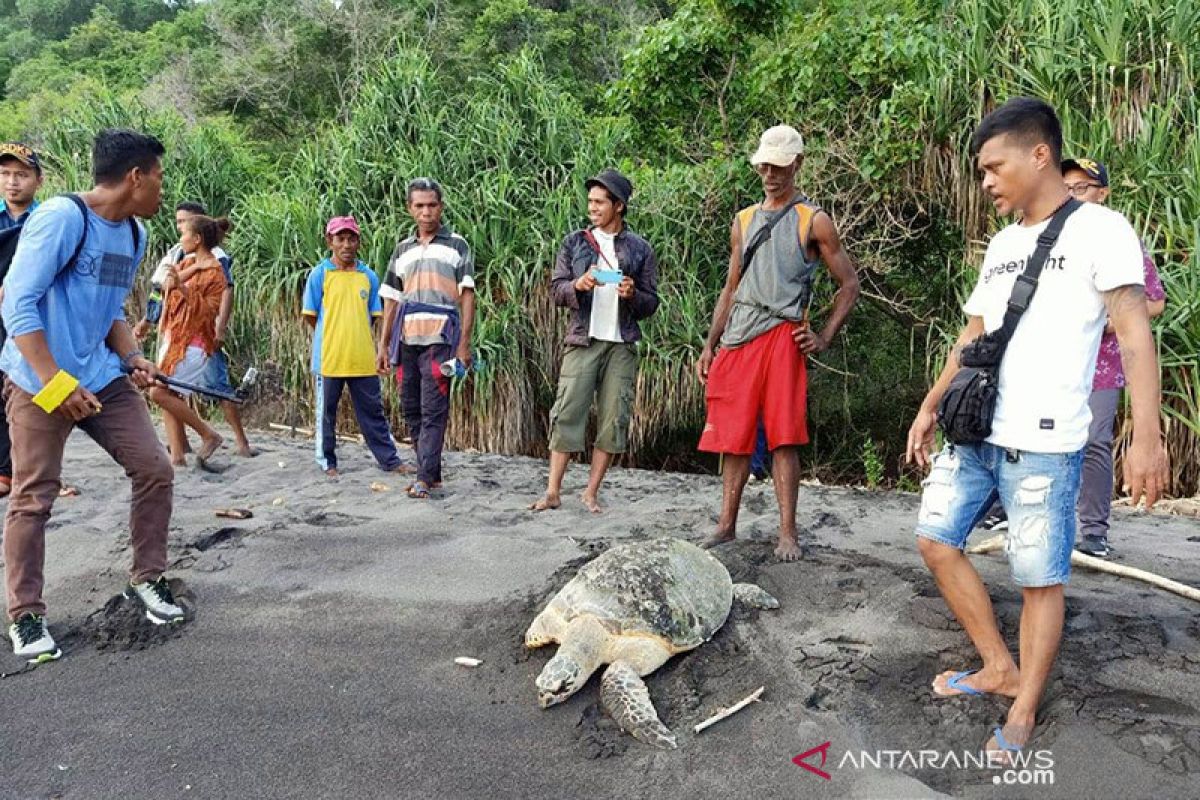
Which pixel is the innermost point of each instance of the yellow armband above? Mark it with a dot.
(56, 391)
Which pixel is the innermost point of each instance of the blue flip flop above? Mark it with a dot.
(1006, 745)
(953, 682)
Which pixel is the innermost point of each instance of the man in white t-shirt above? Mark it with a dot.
(1031, 461)
(607, 276)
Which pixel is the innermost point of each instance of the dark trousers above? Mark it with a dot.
(368, 410)
(1096, 480)
(5, 439)
(425, 398)
(758, 461)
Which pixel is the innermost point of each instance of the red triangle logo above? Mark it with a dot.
(823, 749)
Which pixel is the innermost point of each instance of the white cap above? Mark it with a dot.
(779, 145)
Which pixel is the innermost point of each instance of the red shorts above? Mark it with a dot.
(767, 379)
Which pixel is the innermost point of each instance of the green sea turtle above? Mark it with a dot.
(633, 608)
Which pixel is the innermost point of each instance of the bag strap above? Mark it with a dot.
(82, 206)
(1027, 282)
(83, 209)
(761, 236)
(591, 239)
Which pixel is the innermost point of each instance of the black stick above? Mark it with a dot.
(191, 387)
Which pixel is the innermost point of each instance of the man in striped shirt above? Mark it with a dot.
(429, 309)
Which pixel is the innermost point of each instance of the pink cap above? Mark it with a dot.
(339, 224)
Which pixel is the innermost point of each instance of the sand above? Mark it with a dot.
(319, 657)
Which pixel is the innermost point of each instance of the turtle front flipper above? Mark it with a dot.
(751, 596)
(624, 696)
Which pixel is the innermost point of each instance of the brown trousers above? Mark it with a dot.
(123, 428)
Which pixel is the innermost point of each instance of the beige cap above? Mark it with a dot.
(779, 146)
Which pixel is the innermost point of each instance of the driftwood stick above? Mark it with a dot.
(294, 429)
(1100, 565)
(987, 545)
(729, 712)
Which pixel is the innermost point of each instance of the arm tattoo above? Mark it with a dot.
(1124, 299)
(1121, 303)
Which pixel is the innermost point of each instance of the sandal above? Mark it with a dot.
(419, 490)
(1006, 747)
(960, 689)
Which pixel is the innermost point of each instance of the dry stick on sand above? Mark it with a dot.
(729, 712)
(1100, 565)
(306, 432)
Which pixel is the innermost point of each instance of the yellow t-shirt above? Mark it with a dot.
(345, 302)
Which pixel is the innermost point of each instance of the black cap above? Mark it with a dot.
(616, 184)
(1090, 167)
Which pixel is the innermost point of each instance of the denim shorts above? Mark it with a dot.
(216, 376)
(1037, 490)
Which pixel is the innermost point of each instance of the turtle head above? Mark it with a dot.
(562, 677)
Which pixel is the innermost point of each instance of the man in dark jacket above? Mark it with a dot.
(608, 277)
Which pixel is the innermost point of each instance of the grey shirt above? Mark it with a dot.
(776, 287)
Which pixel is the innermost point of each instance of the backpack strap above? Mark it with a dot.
(83, 210)
(82, 206)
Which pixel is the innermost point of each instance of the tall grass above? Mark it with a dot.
(1121, 74)
(888, 108)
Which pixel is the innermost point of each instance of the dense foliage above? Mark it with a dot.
(281, 112)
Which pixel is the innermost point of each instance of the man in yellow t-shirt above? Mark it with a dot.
(341, 303)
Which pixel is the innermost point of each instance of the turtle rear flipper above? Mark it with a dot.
(753, 596)
(624, 696)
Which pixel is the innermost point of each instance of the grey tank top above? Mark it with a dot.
(777, 287)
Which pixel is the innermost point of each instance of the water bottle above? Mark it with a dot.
(453, 368)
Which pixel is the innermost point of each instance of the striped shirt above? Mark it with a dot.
(432, 274)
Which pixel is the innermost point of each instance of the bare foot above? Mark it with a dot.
(788, 549)
(720, 537)
(182, 462)
(246, 451)
(987, 681)
(547, 503)
(592, 503)
(332, 472)
(209, 447)
(403, 469)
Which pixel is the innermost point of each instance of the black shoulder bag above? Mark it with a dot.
(966, 409)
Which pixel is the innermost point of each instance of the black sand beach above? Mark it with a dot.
(320, 659)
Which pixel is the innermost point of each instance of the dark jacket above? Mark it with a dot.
(636, 259)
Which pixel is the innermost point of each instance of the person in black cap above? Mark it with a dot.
(608, 276)
(1087, 180)
(20, 179)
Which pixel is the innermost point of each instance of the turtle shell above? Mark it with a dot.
(662, 587)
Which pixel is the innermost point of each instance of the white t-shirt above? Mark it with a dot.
(605, 325)
(1046, 374)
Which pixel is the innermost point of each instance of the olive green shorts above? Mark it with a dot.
(607, 372)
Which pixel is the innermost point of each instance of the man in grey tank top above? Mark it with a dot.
(760, 327)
